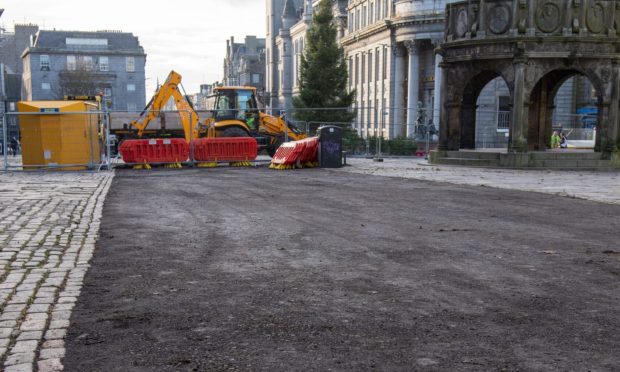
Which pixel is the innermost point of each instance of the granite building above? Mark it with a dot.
(244, 64)
(59, 63)
(12, 44)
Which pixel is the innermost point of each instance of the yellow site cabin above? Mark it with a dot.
(59, 134)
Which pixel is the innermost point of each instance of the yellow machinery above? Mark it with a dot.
(236, 114)
(59, 134)
(170, 88)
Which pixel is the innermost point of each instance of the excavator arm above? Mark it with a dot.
(170, 88)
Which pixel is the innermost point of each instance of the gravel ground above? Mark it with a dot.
(252, 269)
(592, 185)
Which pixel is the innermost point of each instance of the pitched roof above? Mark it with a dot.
(115, 41)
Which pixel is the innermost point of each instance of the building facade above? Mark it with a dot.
(59, 63)
(392, 65)
(287, 24)
(12, 44)
(390, 49)
(244, 64)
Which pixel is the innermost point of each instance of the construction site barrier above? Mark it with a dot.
(296, 154)
(150, 151)
(226, 149)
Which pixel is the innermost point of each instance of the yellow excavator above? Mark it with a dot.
(236, 114)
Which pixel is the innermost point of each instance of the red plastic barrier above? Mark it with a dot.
(288, 153)
(230, 149)
(149, 151)
(297, 152)
(311, 152)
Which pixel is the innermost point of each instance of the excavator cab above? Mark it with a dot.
(232, 103)
(236, 114)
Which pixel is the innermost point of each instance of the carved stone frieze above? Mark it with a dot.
(461, 22)
(548, 16)
(595, 17)
(535, 47)
(499, 19)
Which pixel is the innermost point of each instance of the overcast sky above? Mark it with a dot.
(187, 36)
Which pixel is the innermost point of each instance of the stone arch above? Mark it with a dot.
(541, 103)
(469, 105)
(536, 51)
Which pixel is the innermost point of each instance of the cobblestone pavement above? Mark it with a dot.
(598, 186)
(48, 227)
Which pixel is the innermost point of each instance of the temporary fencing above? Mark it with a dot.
(53, 138)
(237, 150)
(146, 152)
(68, 138)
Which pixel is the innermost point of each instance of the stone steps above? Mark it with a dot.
(469, 162)
(546, 160)
(473, 155)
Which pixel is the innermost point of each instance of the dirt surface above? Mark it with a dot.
(318, 270)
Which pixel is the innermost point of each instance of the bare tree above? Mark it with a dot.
(82, 81)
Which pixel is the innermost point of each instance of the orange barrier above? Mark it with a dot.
(296, 154)
(149, 151)
(231, 149)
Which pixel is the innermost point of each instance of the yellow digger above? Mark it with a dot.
(236, 114)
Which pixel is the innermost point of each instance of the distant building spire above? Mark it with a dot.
(308, 11)
(289, 12)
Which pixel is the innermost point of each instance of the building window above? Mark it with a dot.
(107, 92)
(384, 64)
(71, 63)
(131, 87)
(130, 64)
(255, 78)
(503, 113)
(364, 17)
(350, 21)
(377, 64)
(379, 7)
(45, 62)
(104, 64)
(370, 66)
(363, 69)
(131, 107)
(357, 66)
(46, 86)
(371, 9)
(87, 63)
(350, 71)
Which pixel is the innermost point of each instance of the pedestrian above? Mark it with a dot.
(555, 140)
(14, 146)
(563, 141)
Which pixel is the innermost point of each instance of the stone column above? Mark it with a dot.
(286, 89)
(482, 22)
(398, 117)
(438, 89)
(443, 123)
(518, 127)
(413, 89)
(531, 26)
(613, 131)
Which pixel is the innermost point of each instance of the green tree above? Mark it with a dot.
(323, 73)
